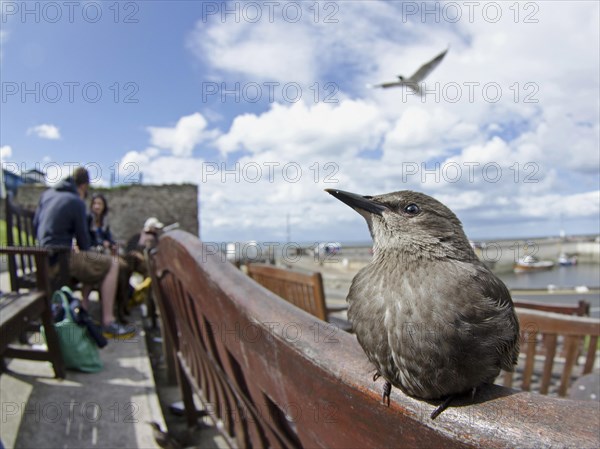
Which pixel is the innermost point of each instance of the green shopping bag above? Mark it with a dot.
(78, 349)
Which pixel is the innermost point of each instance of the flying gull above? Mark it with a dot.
(413, 81)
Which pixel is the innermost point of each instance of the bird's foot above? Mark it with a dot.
(387, 389)
(442, 407)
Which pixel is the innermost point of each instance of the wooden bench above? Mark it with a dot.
(21, 266)
(268, 380)
(304, 290)
(20, 308)
(20, 232)
(543, 334)
(581, 309)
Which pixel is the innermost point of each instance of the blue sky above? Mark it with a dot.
(507, 135)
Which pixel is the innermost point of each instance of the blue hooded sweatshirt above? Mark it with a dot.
(60, 216)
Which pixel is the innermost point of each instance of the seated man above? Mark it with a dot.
(60, 218)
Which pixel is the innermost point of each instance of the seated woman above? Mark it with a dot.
(102, 239)
(98, 224)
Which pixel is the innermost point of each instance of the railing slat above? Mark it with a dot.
(590, 357)
(571, 348)
(550, 345)
(531, 342)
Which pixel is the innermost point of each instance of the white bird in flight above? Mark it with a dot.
(413, 81)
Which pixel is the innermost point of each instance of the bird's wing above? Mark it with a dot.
(389, 84)
(427, 68)
(508, 342)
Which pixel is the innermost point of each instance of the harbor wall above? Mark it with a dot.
(130, 205)
(500, 255)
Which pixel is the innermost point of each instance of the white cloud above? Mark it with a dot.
(299, 130)
(313, 48)
(586, 204)
(136, 158)
(424, 133)
(258, 52)
(170, 169)
(542, 133)
(5, 152)
(45, 131)
(181, 139)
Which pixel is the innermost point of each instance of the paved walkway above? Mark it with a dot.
(108, 409)
(105, 409)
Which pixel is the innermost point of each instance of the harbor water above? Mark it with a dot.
(559, 277)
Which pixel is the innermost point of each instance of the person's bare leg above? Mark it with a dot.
(85, 296)
(108, 291)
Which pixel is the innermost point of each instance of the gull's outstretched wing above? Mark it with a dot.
(386, 85)
(427, 68)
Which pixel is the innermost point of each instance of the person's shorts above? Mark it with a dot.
(89, 267)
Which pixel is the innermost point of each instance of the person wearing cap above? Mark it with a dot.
(61, 218)
(150, 233)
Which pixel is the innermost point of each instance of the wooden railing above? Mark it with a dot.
(550, 335)
(581, 309)
(273, 375)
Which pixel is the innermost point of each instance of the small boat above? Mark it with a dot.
(567, 261)
(531, 263)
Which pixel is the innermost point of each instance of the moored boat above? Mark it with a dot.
(567, 261)
(531, 263)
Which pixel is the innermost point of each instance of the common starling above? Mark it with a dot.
(431, 317)
(413, 81)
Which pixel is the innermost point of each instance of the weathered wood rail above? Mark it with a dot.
(273, 375)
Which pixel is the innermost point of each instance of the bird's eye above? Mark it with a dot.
(412, 209)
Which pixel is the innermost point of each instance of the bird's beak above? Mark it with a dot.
(357, 202)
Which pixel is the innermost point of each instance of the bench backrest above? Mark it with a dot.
(268, 379)
(20, 232)
(581, 309)
(21, 265)
(544, 337)
(304, 290)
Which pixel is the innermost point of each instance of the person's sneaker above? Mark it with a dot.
(116, 330)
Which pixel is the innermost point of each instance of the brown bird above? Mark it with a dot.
(431, 317)
(163, 439)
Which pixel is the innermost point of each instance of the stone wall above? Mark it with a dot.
(129, 206)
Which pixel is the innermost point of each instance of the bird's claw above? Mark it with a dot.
(387, 389)
(443, 406)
